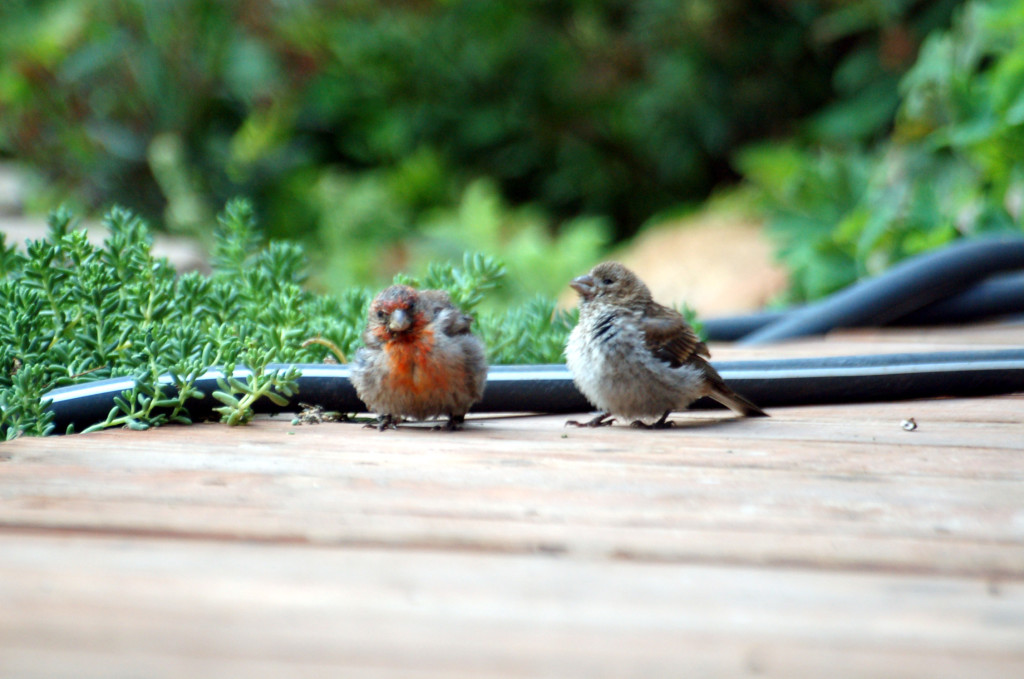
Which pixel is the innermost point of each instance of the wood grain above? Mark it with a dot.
(103, 607)
(822, 540)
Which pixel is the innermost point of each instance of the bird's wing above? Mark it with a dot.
(670, 337)
(438, 306)
(453, 322)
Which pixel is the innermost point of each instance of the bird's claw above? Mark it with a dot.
(639, 424)
(454, 423)
(602, 420)
(662, 423)
(383, 422)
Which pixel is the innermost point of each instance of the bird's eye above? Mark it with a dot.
(607, 281)
(381, 315)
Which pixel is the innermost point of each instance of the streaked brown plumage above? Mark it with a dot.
(635, 358)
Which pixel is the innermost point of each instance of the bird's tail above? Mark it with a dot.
(737, 403)
(721, 392)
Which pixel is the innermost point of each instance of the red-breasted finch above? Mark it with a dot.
(420, 359)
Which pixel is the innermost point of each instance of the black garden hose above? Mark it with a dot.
(909, 287)
(999, 297)
(549, 388)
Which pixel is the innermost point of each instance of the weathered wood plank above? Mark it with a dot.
(822, 541)
(109, 607)
(810, 486)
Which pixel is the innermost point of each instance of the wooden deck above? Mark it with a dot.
(824, 541)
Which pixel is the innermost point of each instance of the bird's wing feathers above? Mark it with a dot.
(446, 316)
(670, 337)
(454, 322)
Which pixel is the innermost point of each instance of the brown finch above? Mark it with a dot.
(419, 360)
(635, 358)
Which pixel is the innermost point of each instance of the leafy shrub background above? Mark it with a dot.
(952, 167)
(364, 126)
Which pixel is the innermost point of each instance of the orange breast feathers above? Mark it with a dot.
(414, 366)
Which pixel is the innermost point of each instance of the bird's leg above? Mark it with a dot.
(454, 423)
(600, 421)
(662, 423)
(383, 422)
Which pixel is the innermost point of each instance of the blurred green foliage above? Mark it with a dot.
(366, 236)
(359, 125)
(953, 166)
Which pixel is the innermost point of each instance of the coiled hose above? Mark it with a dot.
(957, 284)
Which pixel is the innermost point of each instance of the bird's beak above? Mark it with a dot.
(583, 285)
(399, 321)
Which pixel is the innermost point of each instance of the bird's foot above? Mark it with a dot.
(601, 420)
(383, 422)
(662, 423)
(454, 423)
(640, 424)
